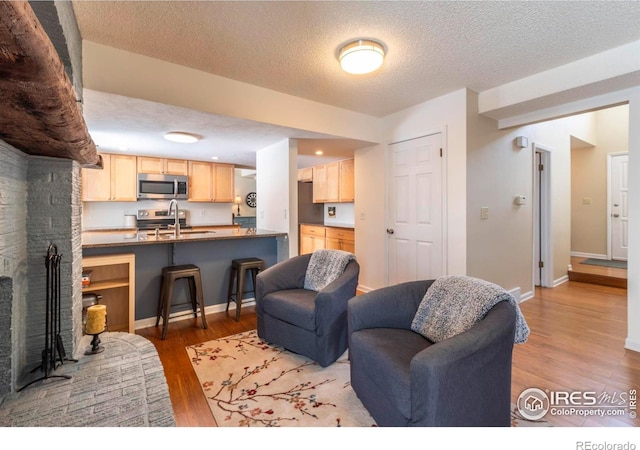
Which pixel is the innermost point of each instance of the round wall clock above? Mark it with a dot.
(251, 199)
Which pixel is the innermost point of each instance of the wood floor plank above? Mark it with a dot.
(576, 343)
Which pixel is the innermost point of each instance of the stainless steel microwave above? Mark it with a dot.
(158, 187)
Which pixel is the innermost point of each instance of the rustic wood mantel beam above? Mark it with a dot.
(39, 112)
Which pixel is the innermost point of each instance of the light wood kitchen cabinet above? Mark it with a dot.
(211, 182)
(115, 182)
(340, 239)
(305, 174)
(147, 164)
(113, 277)
(333, 182)
(347, 185)
(312, 237)
(319, 184)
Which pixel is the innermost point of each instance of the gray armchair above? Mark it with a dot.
(313, 324)
(403, 379)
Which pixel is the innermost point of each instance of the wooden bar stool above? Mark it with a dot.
(170, 275)
(239, 269)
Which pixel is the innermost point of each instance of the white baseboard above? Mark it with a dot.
(632, 345)
(527, 296)
(183, 315)
(588, 255)
(560, 281)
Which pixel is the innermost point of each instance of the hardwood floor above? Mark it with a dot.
(606, 276)
(576, 343)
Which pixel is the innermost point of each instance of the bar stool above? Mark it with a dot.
(239, 269)
(170, 275)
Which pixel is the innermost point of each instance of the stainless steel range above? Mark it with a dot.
(150, 219)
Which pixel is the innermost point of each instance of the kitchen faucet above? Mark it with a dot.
(173, 206)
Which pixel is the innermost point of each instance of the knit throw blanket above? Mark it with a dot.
(454, 304)
(324, 267)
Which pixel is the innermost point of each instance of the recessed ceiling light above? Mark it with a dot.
(215, 157)
(181, 137)
(361, 56)
(319, 152)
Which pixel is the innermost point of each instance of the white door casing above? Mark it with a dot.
(618, 206)
(415, 238)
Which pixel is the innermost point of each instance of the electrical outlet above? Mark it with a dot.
(202, 213)
(484, 213)
(586, 201)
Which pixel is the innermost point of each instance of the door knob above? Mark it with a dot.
(390, 231)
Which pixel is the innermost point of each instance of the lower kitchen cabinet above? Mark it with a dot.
(113, 278)
(340, 239)
(314, 237)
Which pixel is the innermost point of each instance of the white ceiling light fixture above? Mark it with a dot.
(361, 56)
(181, 137)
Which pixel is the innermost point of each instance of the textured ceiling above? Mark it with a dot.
(434, 47)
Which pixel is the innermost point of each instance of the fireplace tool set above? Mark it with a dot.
(54, 353)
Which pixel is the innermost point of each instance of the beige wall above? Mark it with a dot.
(500, 248)
(589, 180)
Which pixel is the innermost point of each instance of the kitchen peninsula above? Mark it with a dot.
(211, 250)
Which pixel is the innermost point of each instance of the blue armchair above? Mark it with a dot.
(310, 323)
(404, 379)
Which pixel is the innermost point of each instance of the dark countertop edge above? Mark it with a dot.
(126, 243)
(135, 229)
(349, 227)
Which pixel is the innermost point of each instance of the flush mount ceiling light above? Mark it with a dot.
(361, 56)
(181, 137)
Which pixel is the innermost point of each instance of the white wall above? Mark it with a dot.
(633, 283)
(446, 114)
(277, 188)
(344, 215)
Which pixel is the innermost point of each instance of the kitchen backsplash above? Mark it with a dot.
(339, 214)
(112, 214)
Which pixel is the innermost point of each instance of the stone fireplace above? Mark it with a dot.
(40, 204)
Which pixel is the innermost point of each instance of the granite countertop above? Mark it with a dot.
(133, 237)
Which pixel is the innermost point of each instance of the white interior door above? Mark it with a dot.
(415, 232)
(619, 213)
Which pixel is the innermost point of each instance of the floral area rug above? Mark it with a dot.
(250, 383)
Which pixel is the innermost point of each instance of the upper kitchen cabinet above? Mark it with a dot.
(166, 166)
(305, 174)
(211, 182)
(115, 182)
(347, 190)
(333, 182)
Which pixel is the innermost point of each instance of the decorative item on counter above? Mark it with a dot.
(237, 201)
(96, 325)
(86, 278)
(88, 300)
(130, 221)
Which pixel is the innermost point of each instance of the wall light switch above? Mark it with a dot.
(484, 213)
(586, 201)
